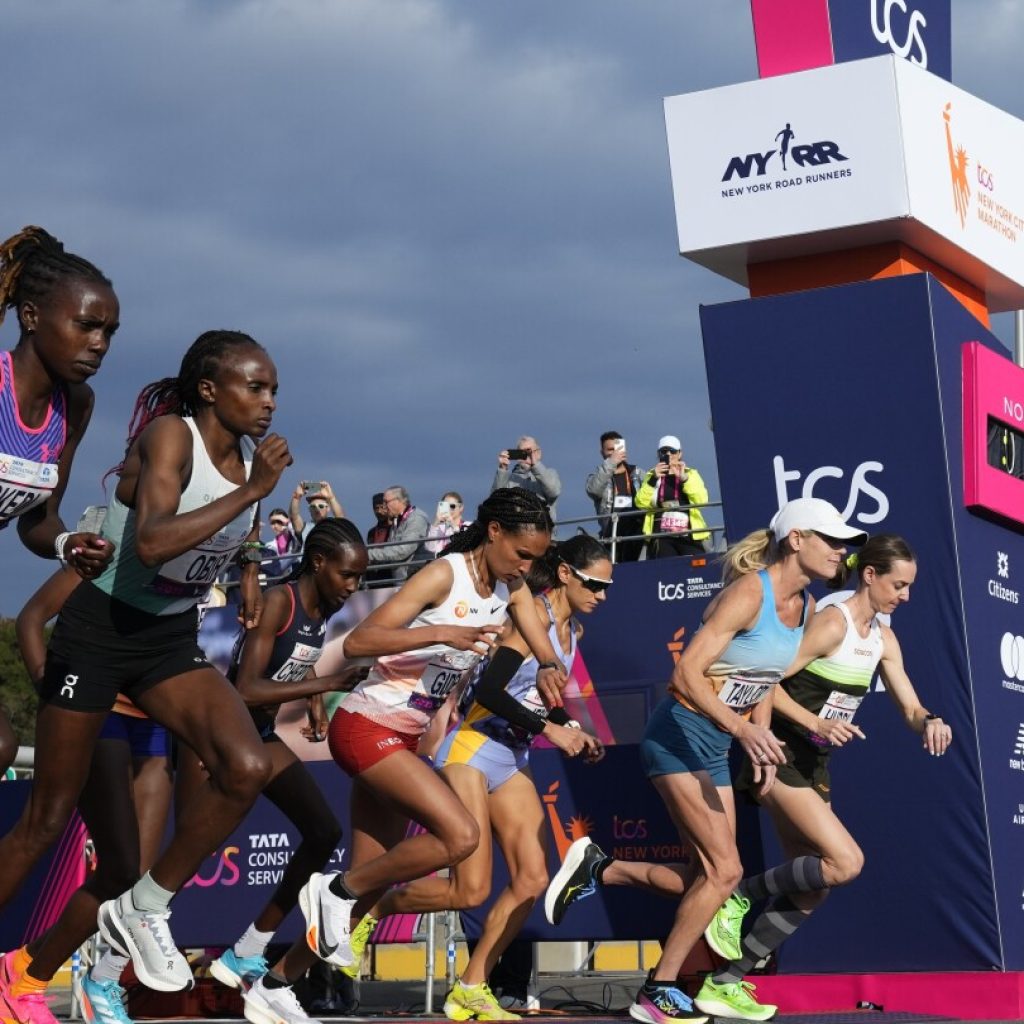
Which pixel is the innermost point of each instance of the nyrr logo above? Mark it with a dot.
(813, 154)
(909, 26)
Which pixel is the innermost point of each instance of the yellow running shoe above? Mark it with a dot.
(358, 940)
(475, 1002)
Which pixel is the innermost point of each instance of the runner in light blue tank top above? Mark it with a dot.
(722, 688)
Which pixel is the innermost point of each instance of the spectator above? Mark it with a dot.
(322, 504)
(447, 522)
(613, 487)
(285, 542)
(668, 486)
(378, 534)
(408, 530)
(528, 472)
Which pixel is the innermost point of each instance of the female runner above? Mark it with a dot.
(721, 688)
(426, 638)
(274, 663)
(486, 762)
(813, 714)
(185, 503)
(67, 315)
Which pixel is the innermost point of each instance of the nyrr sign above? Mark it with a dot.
(794, 35)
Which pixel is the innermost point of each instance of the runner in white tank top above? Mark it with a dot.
(106, 642)
(425, 638)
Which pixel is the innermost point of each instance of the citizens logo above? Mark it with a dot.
(1011, 657)
(997, 589)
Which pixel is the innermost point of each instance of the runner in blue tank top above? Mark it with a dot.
(186, 501)
(721, 689)
(67, 314)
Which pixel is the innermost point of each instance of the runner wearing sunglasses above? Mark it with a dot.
(486, 761)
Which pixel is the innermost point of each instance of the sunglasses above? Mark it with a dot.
(591, 583)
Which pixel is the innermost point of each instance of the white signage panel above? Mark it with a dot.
(844, 156)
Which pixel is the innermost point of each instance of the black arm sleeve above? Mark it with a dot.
(491, 694)
(559, 716)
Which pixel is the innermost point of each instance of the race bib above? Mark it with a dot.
(741, 693)
(23, 485)
(300, 661)
(839, 707)
(193, 573)
(675, 521)
(439, 678)
(623, 500)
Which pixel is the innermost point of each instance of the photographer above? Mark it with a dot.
(528, 472)
(613, 487)
(322, 505)
(447, 522)
(669, 486)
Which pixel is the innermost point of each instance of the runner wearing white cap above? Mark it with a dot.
(721, 688)
(669, 491)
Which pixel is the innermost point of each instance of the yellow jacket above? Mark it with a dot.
(695, 492)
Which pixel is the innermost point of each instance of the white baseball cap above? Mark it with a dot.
(814, 514)
(670, 441)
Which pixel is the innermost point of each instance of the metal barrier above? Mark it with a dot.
(613, 538)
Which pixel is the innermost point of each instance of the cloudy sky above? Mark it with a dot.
(449, 222)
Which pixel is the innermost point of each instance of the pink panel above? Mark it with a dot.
(791, 35)
(992, 386)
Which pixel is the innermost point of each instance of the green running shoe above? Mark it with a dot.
(735, 999)
(360, 937)
(723, 933)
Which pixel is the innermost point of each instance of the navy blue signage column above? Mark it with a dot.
(854, 394)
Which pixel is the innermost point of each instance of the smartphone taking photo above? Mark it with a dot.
(518, 453)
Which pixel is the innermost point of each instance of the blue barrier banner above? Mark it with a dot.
(852, 394)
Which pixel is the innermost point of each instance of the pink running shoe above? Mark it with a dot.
(29, 1009)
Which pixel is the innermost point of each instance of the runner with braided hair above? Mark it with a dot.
(426, 640)
(185, 504)
(67, 315)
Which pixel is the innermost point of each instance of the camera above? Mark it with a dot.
(518, 453)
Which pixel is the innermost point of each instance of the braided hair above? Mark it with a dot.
(580, 552)
(512, 508)
(180, 395)
(325, 538)
(33, 263)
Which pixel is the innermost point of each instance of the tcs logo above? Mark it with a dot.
(861, 489)
(902, 33)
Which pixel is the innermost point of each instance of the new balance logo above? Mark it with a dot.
(1018, 747)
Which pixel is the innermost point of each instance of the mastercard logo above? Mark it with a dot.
(461, 610)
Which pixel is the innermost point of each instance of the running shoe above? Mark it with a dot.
(328, 920)
(734, 999)
(241, 972)
(146, 938)
(574, 880)
(24, 1009)
(358, 940)
(661, 1003)
(475, 1002)
(723, 933)
(262, 1005)
(103, 1002)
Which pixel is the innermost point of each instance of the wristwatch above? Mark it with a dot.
(250, 556)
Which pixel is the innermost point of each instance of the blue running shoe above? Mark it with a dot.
(103, 1002)
(241, 972)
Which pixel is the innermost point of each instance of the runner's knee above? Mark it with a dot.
(844, 866)
(462, 840)
(243, 774)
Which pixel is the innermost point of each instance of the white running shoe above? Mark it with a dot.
(264, 1005)
(146, 938)
(328, 920)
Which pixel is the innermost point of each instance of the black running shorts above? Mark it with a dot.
(101, 647)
